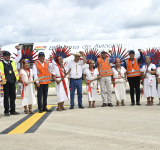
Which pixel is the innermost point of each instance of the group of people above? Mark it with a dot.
(69, 78)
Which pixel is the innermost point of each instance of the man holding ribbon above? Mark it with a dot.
(9, 72)
(41, 69)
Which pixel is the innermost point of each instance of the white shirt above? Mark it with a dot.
(90, 75)
(158, 72)
(51, 65)
(17, 59)
(144, 68)
(119, 74)
(76, 69)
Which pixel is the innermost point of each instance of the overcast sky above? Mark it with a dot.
(74, 20)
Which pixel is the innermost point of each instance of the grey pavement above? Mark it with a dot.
(100, 128)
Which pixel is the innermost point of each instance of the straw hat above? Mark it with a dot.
(76, 54)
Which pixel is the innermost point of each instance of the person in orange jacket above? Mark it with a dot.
(133, 75)
(41, 68)
(105, 71)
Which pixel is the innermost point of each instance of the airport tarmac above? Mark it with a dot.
(100, 128)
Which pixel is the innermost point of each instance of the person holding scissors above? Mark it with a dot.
(27, 95)
(60, 76)
(62, 86)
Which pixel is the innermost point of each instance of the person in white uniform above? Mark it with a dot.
(158, 79)
(62, 88)
(149, 84)
(119, 81)
(27, 96)
(90, 74)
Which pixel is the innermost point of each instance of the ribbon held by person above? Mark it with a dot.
(89, 88)
(24, 86)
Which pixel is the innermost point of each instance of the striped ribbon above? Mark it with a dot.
(2, 93)
(98, 88)
(89, 88)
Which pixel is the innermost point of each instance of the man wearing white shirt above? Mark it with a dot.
(9, 72)
(41, 68)
(76, 78)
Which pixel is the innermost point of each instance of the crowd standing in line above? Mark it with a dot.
(70, 78)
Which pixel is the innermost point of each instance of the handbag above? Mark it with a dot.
(93, 84)
(150, 81)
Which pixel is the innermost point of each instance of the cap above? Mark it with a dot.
(6, 53)
(131, 51)
(103, 51)
(41, 53)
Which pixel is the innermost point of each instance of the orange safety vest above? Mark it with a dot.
(104, 67)
(133, 70)
(43, 72)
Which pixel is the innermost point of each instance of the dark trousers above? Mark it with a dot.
(9, 93)
(134, 82)
(76, 84)
(42, 91)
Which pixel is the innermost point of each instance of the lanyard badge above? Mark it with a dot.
(133, 66)
(10, 71)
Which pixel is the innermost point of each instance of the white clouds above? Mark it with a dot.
(67, 20)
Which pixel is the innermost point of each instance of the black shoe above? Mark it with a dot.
(81, 107)
(6, 114)
(40, 111)
(110, 105)
(138, 103)
(133, 103)
(46, 110)
(104, 105)
(15, 113)
(71, 107)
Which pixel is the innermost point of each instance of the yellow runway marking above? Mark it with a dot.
(23, 127)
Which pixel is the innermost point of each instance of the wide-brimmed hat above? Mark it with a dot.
(76, 54)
